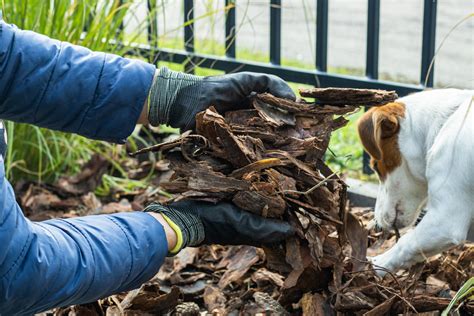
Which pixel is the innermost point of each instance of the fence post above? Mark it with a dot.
(189, 33)
(152, 30)
(373, 28)
(230, 31)
(372, 58)
(428, 44)
(322, 9)
(275, 32)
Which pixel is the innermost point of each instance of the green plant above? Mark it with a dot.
(345, 151)
(41, 154)
(465, 292)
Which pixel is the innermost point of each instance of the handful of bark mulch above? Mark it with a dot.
(265, 160)
(269, 160)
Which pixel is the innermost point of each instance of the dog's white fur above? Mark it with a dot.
(436, 143)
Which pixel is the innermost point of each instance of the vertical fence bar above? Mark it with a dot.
(189, 33)
(121, 26)
(230, 29)
(428, 44)
(152, 29)
(275, 32)
(151, 25)
(372, 57)
(373, 29)
(322, 9)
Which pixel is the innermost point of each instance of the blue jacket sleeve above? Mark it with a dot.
(63, 262)
(69, 88)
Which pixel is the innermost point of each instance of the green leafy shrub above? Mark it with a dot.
(36, 153)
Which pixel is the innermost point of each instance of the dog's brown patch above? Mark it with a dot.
(378, 131)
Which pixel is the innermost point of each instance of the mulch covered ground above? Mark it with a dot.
(269, 160)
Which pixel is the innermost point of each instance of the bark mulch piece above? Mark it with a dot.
(342, 96)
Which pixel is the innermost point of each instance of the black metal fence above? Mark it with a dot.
(318, 76)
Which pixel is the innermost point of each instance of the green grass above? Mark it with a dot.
(345, 151)
(44, 155)
(465, 293)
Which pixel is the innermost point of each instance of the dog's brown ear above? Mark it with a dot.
(367, 134)
(378, 124)
(386, 124)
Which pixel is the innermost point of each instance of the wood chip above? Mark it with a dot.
(350, 96)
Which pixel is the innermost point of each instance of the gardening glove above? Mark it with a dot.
(175, 97)
(202, 223)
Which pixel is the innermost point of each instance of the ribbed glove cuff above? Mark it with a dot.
(165, 89)
(187, 225)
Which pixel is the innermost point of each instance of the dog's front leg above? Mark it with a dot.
(446, 224)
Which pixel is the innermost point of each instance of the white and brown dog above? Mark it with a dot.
(422, 148)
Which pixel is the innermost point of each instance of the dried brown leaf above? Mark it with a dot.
(239, 264)
(215, 300)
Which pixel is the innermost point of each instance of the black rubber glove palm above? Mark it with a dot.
(175, 97)
(203, 223)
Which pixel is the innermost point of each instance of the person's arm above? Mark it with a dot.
(66, 87)
(62, 262)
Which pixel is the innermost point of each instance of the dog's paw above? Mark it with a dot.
(381, 264)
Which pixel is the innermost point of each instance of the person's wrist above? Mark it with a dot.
(184, 221)
(167, 102)
(170, 233)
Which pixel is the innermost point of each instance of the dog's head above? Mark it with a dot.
(400, 194)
